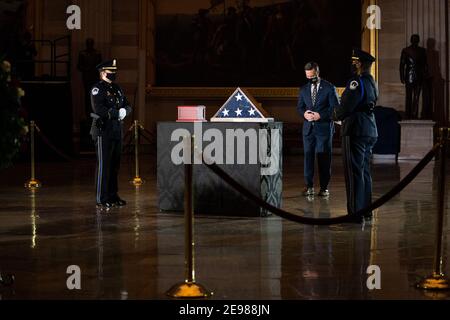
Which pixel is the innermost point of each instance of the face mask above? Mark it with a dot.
(314, 80)
(111, 76)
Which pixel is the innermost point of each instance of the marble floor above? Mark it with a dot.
(137, 252)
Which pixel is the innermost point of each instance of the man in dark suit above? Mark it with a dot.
(359, 133)
(316, 103)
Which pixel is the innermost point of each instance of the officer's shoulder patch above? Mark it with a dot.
(95, 91)
(354, 85)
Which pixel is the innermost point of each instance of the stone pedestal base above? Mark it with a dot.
(416, 139)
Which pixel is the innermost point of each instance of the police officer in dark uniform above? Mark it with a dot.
(110, 108)
(359, 132)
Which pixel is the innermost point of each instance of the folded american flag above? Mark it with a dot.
(240, 107)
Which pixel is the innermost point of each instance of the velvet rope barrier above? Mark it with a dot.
(327, 221)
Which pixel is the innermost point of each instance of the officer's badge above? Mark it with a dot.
(354, 85)
(94, 91)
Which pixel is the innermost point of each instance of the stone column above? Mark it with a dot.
(96, 22)
(369, 37)
(146, 56)
(34, 24)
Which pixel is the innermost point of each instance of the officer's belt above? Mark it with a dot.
(97, 117)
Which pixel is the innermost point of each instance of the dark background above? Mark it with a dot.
(263, 47)
(12, 15)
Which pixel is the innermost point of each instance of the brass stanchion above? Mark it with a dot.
(34, 218)
(189, 288)
(137, 180)
(33, 183)
(438, 280)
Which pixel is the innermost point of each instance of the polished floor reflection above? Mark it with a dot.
(137, 252)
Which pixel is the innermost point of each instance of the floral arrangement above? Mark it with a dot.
(12, 124)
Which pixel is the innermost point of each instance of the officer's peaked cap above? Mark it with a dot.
(108, 65)
(362, 56)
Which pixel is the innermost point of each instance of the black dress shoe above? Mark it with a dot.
(308, 192)
(104, 206)
(7, 280)
(368, 215)
(356, 218)
(360, 218)
(119, 202)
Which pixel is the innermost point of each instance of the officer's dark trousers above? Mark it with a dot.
(108, 163)
(357, 152)
(313, 145)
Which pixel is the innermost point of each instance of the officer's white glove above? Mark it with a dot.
(122, 113)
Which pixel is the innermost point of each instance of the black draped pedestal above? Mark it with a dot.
(211, 194)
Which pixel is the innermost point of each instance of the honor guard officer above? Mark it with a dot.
(359, 132)
(110, 108)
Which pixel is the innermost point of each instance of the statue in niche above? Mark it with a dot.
(413, 71)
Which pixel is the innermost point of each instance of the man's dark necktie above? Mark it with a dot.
(314, 94)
